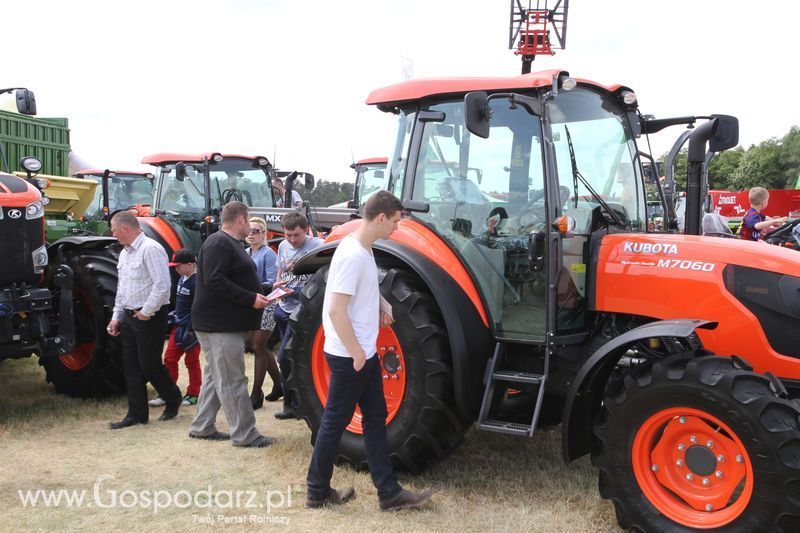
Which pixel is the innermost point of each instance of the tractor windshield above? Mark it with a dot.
(595, 130)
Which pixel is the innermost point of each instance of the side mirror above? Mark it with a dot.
(26, 102)
(476, 113)
(309, 181)
(536, 244)
(726, 135)
(180, 171)
(351, 204)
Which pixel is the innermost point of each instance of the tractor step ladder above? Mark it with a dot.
(492, 378)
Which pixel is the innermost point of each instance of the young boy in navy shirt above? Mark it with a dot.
(182, 338)
(754, 222)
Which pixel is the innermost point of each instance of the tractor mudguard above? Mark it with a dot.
(89, 243)
(470, 339)
(585, 394)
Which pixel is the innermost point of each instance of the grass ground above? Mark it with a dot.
(51, 442)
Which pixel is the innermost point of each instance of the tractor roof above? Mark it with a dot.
(421, 88)
(160, 159)
(99, 172)
(371, 161)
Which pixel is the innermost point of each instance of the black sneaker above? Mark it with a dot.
(217, 435)
(287, 414)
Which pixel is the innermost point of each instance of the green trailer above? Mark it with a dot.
(46, 139)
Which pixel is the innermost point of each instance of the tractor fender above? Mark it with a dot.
(586, 392)
(89, 243)
(470, 340)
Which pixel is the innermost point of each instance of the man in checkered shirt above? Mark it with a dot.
(140, 317)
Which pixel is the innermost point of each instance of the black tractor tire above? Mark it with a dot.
(712, 391)
(426, 427)
(94, 367)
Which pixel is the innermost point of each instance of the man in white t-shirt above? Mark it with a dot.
(352, 312)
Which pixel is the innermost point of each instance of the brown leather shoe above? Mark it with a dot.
(334, 497)
(406, 500)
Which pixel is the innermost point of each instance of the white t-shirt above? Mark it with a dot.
(353, 271)
(296, 199)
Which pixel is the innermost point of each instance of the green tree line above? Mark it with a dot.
(327, 193)
(772, 164)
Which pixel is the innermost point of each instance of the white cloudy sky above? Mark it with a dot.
(291, 77)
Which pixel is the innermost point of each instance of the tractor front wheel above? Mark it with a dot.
(691, 443)
(94, 366)
(422, 424)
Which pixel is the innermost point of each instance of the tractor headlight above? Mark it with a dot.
(39, 257)
(34, 210)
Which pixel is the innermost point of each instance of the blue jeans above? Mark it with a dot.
(348, 388)
(285, 330)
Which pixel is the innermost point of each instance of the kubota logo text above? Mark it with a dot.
(650, 248)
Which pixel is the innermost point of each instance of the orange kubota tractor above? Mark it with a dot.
(527, 290)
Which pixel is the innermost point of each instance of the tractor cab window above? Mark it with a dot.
(397, 163)
(371, 178)
(231, 181)
(182, 196)
(486, 196)
(127, 191)
(596, 130)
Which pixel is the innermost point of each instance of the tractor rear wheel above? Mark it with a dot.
(691, 443)
(94, 366)
(422, 424)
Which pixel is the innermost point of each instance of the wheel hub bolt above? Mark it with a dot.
(706, 482)
(720, 458)
(689, 477)
(739, 458)
(385, 376)
(693, 439)
(654, 468)
(682, 420)
(709, 507)
(681, 447)
(719, 474)
(710, 444)
(394, 376)
(679, 462)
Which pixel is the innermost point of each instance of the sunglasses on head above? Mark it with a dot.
(255, 230)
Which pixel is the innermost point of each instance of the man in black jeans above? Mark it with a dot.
(352, 313)
(140, 315)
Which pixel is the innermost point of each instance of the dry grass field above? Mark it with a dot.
(155, 478)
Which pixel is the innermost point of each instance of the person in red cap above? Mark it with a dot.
(182, 339)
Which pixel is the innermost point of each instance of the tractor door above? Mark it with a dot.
(592, 144)
(486, 198)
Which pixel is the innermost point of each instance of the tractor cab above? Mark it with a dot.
(516, 181)
(191, 189)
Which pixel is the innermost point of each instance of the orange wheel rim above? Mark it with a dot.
(82, 353)
(692, 468)
(393, 369)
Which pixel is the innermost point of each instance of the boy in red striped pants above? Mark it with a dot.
(182, 338)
